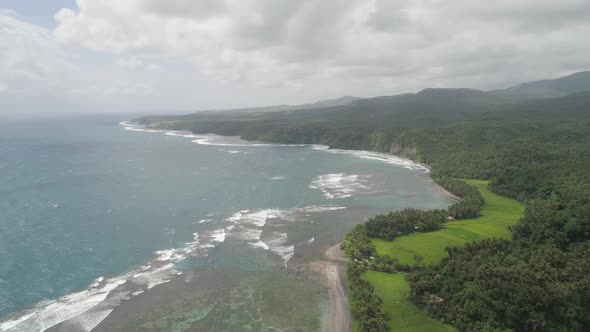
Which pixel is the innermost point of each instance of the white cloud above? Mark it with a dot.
(268, 51)
(314, 41)
(28, 55)
(135, 63)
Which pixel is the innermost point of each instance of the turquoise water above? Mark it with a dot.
(88, 208)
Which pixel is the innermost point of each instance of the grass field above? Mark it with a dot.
(496, 215)
(405, 316)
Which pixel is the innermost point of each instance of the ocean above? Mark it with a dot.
(105, 225)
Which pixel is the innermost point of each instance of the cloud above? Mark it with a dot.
(183, 8)
(135, 63)
(314, 41)
(28, 55)
(268, 51)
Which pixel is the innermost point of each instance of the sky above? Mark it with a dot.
(186, 55)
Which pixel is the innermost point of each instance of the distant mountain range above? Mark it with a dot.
(550, 88)
(559, 87)
(462, 97)
(428, 108)
(345, 100)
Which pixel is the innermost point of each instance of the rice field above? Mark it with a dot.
(429, 248)
(405, 316)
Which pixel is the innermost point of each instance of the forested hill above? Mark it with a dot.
(426, 108)
(430, 107)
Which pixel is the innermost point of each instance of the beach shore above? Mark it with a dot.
(438, 187)
(332, 268)
(445, 192)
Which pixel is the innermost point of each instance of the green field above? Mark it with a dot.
(405, 316)
(496, 215)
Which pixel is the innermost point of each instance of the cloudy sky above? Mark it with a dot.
(177, 55)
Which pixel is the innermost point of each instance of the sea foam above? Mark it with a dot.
(339, 185)
(378, 156)
(247, 226)
(87, 308)
(218, 140)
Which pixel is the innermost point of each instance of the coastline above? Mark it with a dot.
(332, 268)
(440, 189)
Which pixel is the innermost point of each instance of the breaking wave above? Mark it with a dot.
(340, 185)
(217, 140)
(248, 226)
(87, 308)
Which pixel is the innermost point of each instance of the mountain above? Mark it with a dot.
(559, 87)
(348, 122)
(428, 107)
(345, 100)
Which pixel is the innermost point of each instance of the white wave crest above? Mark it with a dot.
(320, 208)
(87, 308)
(339, 185)
(247, 226)
(279, 245)
(378, 156)
(217, 140)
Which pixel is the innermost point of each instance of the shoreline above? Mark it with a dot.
(331, 267)
(440, 189)
(333, 270)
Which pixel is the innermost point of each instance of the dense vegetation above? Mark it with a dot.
(471, 200)
(366, 307)
(537, 282)
(400, 223)
(537, 151)
(357, 244)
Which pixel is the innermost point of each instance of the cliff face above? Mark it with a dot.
(406, 151)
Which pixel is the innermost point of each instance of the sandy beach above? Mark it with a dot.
(445, 192)
(332, 268)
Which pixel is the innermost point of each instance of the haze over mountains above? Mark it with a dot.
(345, 100)
(559, 87)
(476, 100)
(427, 108)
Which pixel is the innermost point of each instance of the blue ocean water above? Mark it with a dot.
(83, 200)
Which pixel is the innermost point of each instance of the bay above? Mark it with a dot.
(196, 231)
